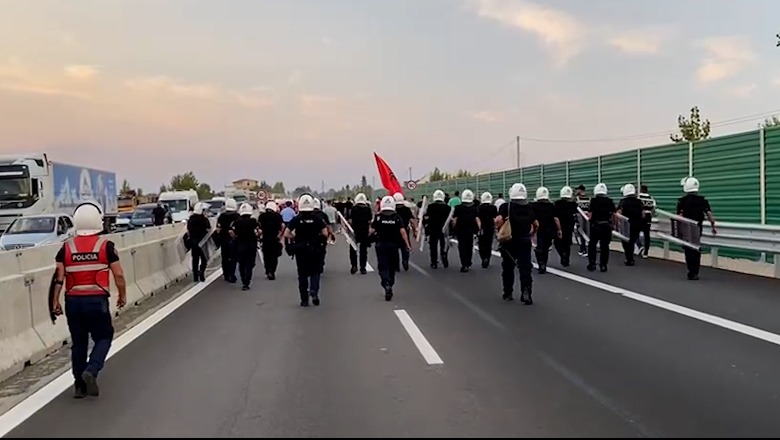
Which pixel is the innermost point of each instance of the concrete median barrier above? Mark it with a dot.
(151, 262)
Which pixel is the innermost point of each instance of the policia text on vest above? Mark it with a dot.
(83, 266)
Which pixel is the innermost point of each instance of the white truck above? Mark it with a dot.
(180, 203)
(30, 184)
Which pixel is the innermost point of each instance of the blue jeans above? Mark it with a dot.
(89, 316)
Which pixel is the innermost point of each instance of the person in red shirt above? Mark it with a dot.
(83, 266)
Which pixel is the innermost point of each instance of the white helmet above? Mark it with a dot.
(398, 197)
(361, 199)
(600, 190)
(486, 197)
(306, 203)
(231, 205)
(272, 206)
(438, 196)
(387, 203)
(245, 209)
(567, 192)
(542, 193)
(518, 192)
(628, 190)
(200, 208)
(317, 204)
(467, 196)
(690, 184)
(88, 219)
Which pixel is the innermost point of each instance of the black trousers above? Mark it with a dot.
(309, 264)
(544, 241)
(465, 249)
(646, 223)
(516, 255)
(437, 246)
(563, 244)
(600, 238)
(199, 261)
(693, 259)
(388, 262)
(485, 245)
(228, 252)
(272, 250)
(630, 246)
(247, 258)
(362, 245)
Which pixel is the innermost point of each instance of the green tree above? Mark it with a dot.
(363, 182)
(204, 191)
(139, 192)
(437, 175)
(125, 187)
(278, 188)
(463, 173)
(183, 182)
(302, 190)
(692, 129)
(772, 122)
(163, 188)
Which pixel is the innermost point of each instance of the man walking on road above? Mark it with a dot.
(83, 265)
(390, 234)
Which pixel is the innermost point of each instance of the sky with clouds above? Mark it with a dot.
(304, 91)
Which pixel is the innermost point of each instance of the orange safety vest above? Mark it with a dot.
(86, 266)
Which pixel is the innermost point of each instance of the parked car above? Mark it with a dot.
(37, 230)
(216, 206)
(123, 221)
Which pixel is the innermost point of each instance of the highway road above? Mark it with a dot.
(635, 352)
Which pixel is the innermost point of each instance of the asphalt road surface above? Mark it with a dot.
(640, 352)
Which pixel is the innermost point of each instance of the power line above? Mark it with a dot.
(724, 123)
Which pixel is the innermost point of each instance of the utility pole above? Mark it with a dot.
(410, 173)
(518, 152)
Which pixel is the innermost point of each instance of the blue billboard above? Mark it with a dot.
(73, 184)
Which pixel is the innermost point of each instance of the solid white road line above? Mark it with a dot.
(661, 304)
(33, 403)
(425, 347)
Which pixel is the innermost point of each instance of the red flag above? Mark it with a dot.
(389, 181)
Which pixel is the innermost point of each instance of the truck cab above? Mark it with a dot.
(180, 204)
(22, 180)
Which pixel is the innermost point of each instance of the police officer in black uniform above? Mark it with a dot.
(307, 233)
(389, 233)
(198, 228)
(360, 217)
(566, 213)
(225, 241)
(486, 213)
(516, 252)
(466, 222)
(549, 227)
(583, 202)
(602, 213)
(272, 231)
(648, 202)
(407, 216)
(246, 230)
(331, 235)
(631, 208)
(695, 207)
(434, 218)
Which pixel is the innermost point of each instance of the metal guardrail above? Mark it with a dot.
(743, 236)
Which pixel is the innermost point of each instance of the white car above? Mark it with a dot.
(37, 230)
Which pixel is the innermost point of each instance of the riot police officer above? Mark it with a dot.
(466, 223)
(583, 203)
(198, 227)
(307, 233)
(566, 213)
(601, 218)
(549, 227)
(389, 234)
(225, 241)
(407, 216)
(648, 203)
(83, 265)
(486, 213)
(360, 217)
(246, 230)
(434, 219)
(631, 208)
(331, 235)
(272, 231)
(516, 251)
(695, 207)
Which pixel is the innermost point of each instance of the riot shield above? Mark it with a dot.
(583, 225)
(679, 230)
(447, 230)
(349, 233)
(420, 230)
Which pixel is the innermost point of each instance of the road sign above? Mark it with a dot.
(411, 185)
(261, 195)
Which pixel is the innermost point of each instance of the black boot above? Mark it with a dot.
(525, 297)
(353, 270)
